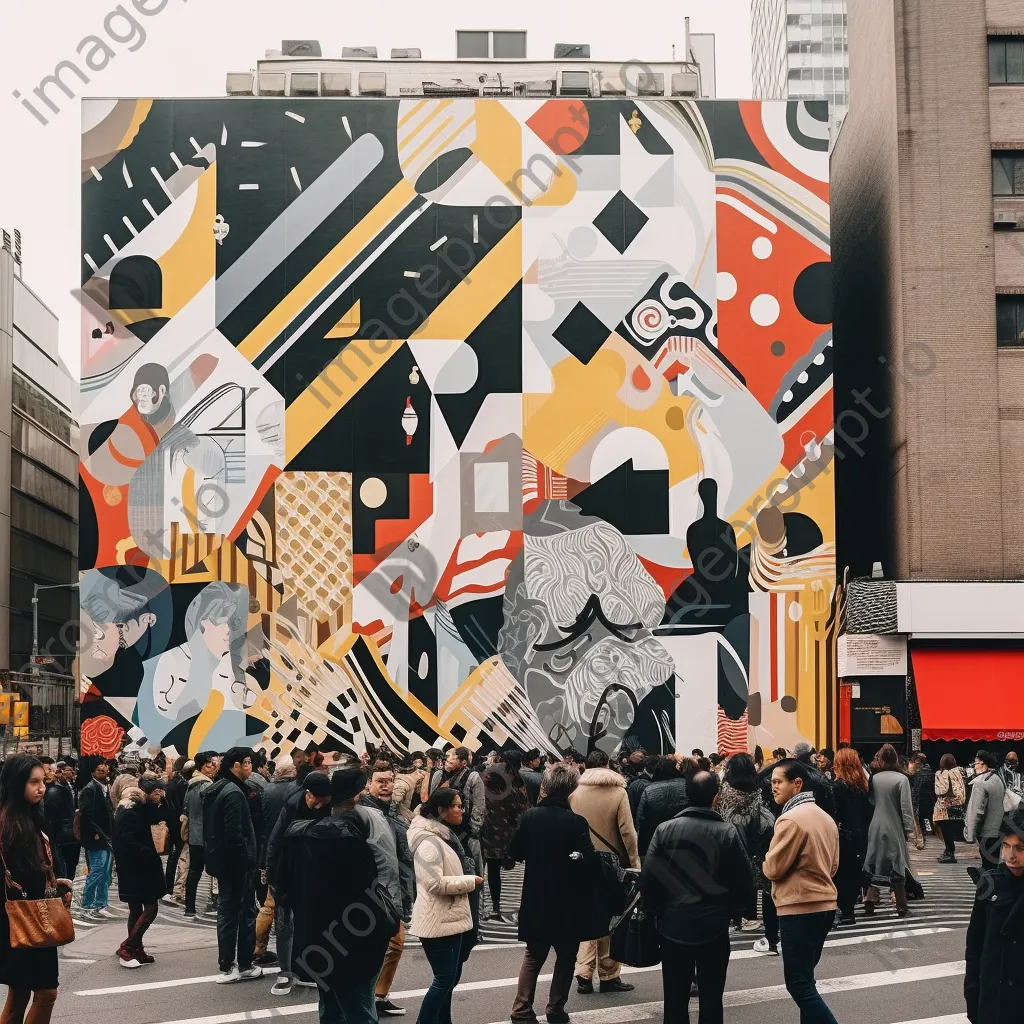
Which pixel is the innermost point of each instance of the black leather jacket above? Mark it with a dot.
(59, 811)
(993, 987)
(696, 877)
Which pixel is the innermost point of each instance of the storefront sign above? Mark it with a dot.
(865, 654)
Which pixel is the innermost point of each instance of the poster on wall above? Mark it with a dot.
(504, 422)
(864, 654)
(878, 710)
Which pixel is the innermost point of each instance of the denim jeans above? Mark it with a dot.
(97, 882)
(445, 959)
(803, 937)
(354, 1004)
(236, 920)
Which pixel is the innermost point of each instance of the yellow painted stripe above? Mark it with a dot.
(461, 311)
(448, 139)
(327, 269)
(408, 160)
(412, 112)
(442, 105)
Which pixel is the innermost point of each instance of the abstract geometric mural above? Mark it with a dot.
(484, 421)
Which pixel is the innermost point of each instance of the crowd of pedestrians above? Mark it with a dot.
(343, 861)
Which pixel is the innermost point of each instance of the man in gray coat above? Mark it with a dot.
(985, 808)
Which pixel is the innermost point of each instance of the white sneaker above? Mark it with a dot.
(251, 974)
(130, 964)
(283, 986)
(168, 901)
(306, 984)
(227, 977)
(108, 915)
(762, 946)
(750, 925)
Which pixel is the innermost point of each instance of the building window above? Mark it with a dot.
(1010, 319)
(482, 45)
(1006, 60)
(509, 44)
(473, 45)
(1008, 174)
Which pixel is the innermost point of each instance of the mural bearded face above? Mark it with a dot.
(148, 400)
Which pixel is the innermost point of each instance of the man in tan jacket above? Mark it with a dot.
(601, 798)
(802, 858)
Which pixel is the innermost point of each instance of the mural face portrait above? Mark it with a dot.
(147, 400)
(579, 608)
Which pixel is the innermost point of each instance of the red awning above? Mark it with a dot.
(969, 693)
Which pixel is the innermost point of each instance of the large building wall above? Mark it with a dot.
(471, 420)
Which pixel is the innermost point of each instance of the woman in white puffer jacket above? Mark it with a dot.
(441, 916)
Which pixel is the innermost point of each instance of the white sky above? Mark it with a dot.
(191, 44)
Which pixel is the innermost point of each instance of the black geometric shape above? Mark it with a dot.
(100, 434)
(812, 292)
(136, 282)
(620, 221)
(423, 653)
(438, 171)
(145, 330)
(479, 623)
(634, 501)
(811, 142)
(582, 333)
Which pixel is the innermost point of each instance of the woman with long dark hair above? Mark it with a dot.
(950, 802)
(887, 861)
(507, 802)
(29, 974)
(853, 816)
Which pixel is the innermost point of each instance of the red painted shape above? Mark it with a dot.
(562, 125)
(845, 712)
(640, 378)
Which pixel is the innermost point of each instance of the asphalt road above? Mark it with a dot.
(880, 971)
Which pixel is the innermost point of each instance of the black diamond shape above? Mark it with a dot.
(581, 333)
(620, 221)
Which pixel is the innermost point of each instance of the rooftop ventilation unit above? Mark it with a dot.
(240, 83)
(272, 83)
(304, 84)
(359, 52)
(565, 51)
(685, 83)
(337, 83)
(575, 83)
(407, 53)
(450, 87)
(300, 48)
(650, 84)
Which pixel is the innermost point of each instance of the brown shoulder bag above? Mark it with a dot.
(38, 924)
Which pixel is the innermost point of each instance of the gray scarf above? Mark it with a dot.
(795, 801)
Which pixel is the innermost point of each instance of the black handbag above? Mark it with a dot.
(634, 936)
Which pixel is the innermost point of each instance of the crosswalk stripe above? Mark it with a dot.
(741, 997)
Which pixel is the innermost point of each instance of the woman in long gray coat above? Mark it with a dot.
(887, 860)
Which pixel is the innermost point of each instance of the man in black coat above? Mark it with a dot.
(344, 917)
(59, 811)
(230, 853)
(558, 906)
(995, 936)
(697, 878)
(96, 825)
(532, 775)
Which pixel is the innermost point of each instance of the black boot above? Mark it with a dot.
(616, 985)
(584, 986)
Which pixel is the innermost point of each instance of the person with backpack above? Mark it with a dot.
(950, 801)
(230, 852)
(344, 914)
(95, 827)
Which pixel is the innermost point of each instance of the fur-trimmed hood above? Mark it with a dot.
(133, 797)
(602, 777)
